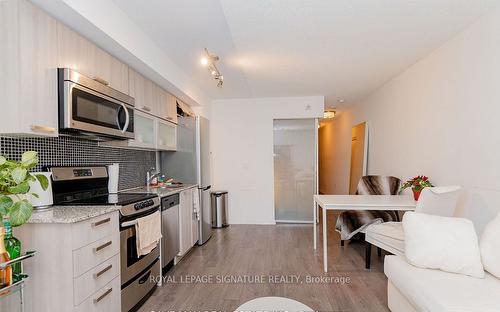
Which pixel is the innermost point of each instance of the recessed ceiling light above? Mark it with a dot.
(328, 114)
(341, 100)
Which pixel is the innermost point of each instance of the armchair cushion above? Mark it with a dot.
(388, 236)
(448, 244)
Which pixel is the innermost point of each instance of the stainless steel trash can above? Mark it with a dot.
(219, 209)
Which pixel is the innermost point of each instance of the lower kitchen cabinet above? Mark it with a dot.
(76, 267)
(106, 299)
(188, 221)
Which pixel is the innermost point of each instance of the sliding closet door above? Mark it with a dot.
(294, 169)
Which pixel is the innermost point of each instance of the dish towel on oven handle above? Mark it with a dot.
(148, 233)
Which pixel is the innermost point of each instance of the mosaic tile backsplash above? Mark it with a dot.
(71, 151)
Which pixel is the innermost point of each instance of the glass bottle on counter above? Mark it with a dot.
(5, 274)
(12, 245)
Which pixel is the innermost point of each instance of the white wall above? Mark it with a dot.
(440, 118)
(242, 151)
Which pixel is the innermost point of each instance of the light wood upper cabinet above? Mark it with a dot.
(76, 52)
(151, 98)
(168, 108)
(161, 102)
(143, 90)
(28, 79)
(112, 70)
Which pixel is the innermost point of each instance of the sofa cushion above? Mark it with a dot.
(438, 291)
(448, 244)
(490, 247)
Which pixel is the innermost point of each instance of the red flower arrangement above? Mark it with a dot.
(417, 184)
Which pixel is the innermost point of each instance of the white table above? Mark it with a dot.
(355, 202)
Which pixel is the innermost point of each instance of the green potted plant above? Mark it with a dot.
(15, 178)
(417, 184)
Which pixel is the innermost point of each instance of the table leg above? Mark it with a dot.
(315, 217)
(325, 242)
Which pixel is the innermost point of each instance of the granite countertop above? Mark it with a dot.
(73, 214)
(70, 214)
(161, 191)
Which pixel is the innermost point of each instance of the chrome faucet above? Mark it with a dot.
(150, 175)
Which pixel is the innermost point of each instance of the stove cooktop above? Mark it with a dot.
(120, 199)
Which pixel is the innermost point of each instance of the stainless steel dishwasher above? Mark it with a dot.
(169, 230)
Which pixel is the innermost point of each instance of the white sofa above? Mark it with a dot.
(415, 289)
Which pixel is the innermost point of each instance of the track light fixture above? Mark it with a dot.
(209, 61)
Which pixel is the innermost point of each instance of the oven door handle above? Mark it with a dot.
(129, 223)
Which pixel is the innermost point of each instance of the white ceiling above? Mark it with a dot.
(336, 48)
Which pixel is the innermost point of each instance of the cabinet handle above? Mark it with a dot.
(196, 216)
(97, 249)
(101, 81)
(107, 292)
(170, 118)
(147, 109)
(43, 129)
(101, 222)
(106, 269)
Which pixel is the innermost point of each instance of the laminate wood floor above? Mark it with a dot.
(275, 260)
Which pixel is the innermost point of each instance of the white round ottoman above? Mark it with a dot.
(273, 304)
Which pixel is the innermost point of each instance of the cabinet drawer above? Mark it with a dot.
(106, 299)
(95, 253)
(96, 278)
(88, 231)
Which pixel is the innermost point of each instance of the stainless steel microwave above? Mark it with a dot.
(89, 106)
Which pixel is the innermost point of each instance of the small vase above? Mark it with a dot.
(416, 194)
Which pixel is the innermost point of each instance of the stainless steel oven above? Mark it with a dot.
(139, 275)
(90, 106)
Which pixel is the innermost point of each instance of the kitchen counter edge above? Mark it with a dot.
(78, 213)
(70, 214)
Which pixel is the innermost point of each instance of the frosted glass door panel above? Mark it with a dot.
(144, 130)
(167, 139)
(294, 176)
